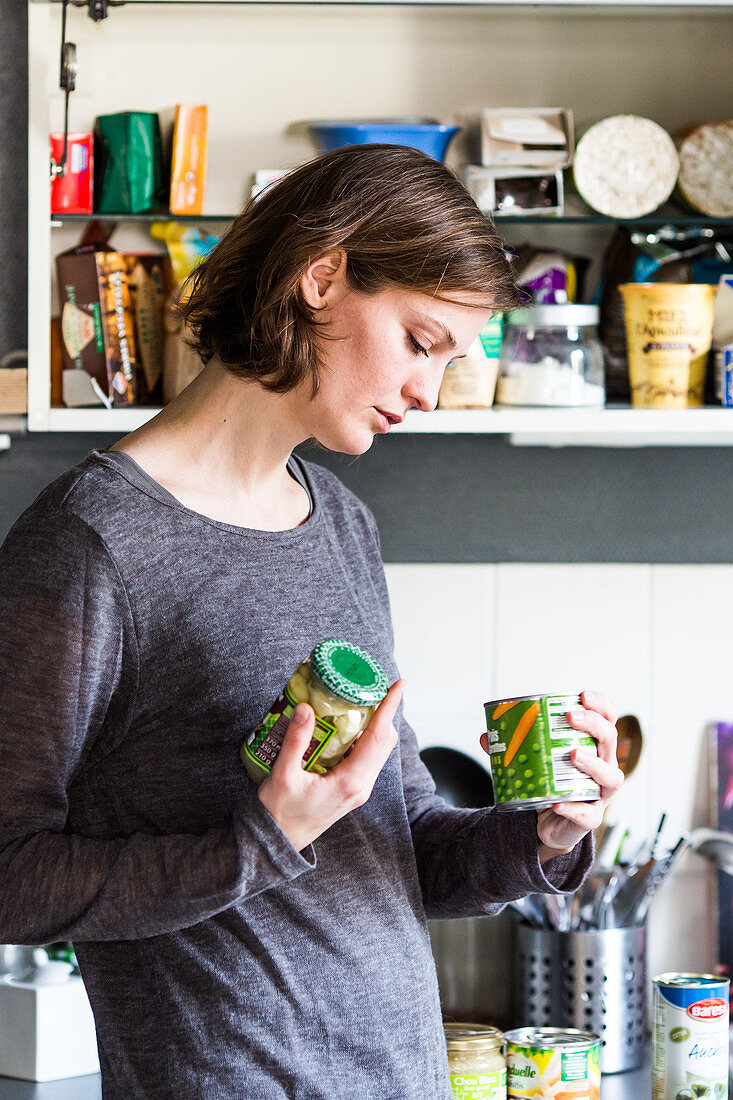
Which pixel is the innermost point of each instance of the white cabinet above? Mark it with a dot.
(263, 68)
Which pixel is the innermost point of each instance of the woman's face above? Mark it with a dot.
(384, 354)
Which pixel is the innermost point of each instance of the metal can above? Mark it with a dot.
(530, 743)
(690, 1037)
(553, 1061)
(476, 1061)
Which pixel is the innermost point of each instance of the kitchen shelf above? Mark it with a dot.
(608, 427)
(576, 214)
(584, 5)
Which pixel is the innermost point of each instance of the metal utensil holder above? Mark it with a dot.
(592, 980)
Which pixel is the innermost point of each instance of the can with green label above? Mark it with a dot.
(530, 742)
(343, 684)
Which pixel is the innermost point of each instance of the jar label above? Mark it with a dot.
(479, 1086)
(265, 741)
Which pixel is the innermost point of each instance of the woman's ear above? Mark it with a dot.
(323, 283)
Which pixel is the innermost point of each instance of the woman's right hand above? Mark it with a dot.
(305, 804)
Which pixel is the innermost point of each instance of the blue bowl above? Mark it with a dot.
(430, 137)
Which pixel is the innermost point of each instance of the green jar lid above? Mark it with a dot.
(349, 672)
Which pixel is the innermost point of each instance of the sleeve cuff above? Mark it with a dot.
(277, 859)
(562, 874)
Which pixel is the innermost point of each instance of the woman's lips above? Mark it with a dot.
(387, 419)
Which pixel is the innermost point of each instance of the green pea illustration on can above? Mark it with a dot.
(530, 743)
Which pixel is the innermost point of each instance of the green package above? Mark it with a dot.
(128, 163)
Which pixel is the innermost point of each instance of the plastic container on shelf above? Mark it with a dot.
(426, 134)
(551, 356)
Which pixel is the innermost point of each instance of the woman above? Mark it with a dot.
(238, 941)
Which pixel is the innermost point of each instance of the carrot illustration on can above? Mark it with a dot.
(530, 742)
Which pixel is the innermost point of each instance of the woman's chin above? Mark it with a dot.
(351, 443)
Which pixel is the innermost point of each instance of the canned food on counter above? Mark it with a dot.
(530, 743)
(343, 684)
(690, 1037)
(476, 1061)
(551, 1061)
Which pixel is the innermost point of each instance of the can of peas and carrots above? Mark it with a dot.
(530, 743)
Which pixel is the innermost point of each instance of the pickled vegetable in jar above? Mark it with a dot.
(343, 684)
(476, 1061)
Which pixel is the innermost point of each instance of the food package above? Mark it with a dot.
(469, 381)
(516, 190)
(706, 169)
(13, 390)
(128, 163)
(538, 137)
(72, 193)
(98, 331)
(625, 166)
(188, 159)
(550, 278)
(187, 246)
(150, 279)
(723, 340)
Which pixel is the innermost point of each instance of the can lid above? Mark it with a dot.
(472, 1037)
(691, 980)
(555, 316)
(549, 1038)
(349, 672)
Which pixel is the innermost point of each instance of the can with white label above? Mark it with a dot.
(690, 1037)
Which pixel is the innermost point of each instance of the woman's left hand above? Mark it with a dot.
(561, 826)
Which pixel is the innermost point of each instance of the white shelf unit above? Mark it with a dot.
(351, 58)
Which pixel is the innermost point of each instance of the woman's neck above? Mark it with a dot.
(223, 446)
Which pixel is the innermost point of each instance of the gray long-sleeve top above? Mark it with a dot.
(139, 641)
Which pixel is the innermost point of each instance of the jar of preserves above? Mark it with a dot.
(551, 356)
(476, 1061)
(343, 684)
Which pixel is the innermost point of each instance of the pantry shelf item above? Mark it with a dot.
(516, 192)
(625, 166)
(552, 1062)
(536, 137)
(551, 356)
(706, 168)
(476, 1061)
(429, 136)
(343, 684)
(669, 330)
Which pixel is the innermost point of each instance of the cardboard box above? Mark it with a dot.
(150, 278)
(516, 190)
(46, 1031)
(98, 345)
(536, 137)
(188, 160)
(13, 390)
(72, 193)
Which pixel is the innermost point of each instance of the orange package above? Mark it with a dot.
(188, 161)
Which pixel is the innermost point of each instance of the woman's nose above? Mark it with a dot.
(422, 392)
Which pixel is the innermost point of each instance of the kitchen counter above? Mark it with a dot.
(636, 1085)
(621, 1086)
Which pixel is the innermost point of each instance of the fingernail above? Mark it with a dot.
(301, 714)
(582, 756)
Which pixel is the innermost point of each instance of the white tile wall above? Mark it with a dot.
(655, 639)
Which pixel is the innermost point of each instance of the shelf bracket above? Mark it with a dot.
(97, 10)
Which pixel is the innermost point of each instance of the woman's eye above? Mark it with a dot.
(418, 349)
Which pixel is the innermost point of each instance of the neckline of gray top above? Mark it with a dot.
(126, 465)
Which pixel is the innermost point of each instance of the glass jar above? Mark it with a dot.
(551, 356)
(476, 1061)
(343, 684)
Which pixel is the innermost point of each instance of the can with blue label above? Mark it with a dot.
(690, 1037)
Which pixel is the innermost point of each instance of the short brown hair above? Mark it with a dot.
(403, 220)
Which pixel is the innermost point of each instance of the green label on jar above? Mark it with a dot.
(479, 1086)
(264, 742)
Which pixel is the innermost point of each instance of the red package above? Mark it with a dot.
(72, 193)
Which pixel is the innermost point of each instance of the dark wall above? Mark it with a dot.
(441, 498)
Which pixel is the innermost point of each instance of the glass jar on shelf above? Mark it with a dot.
(551, 356)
